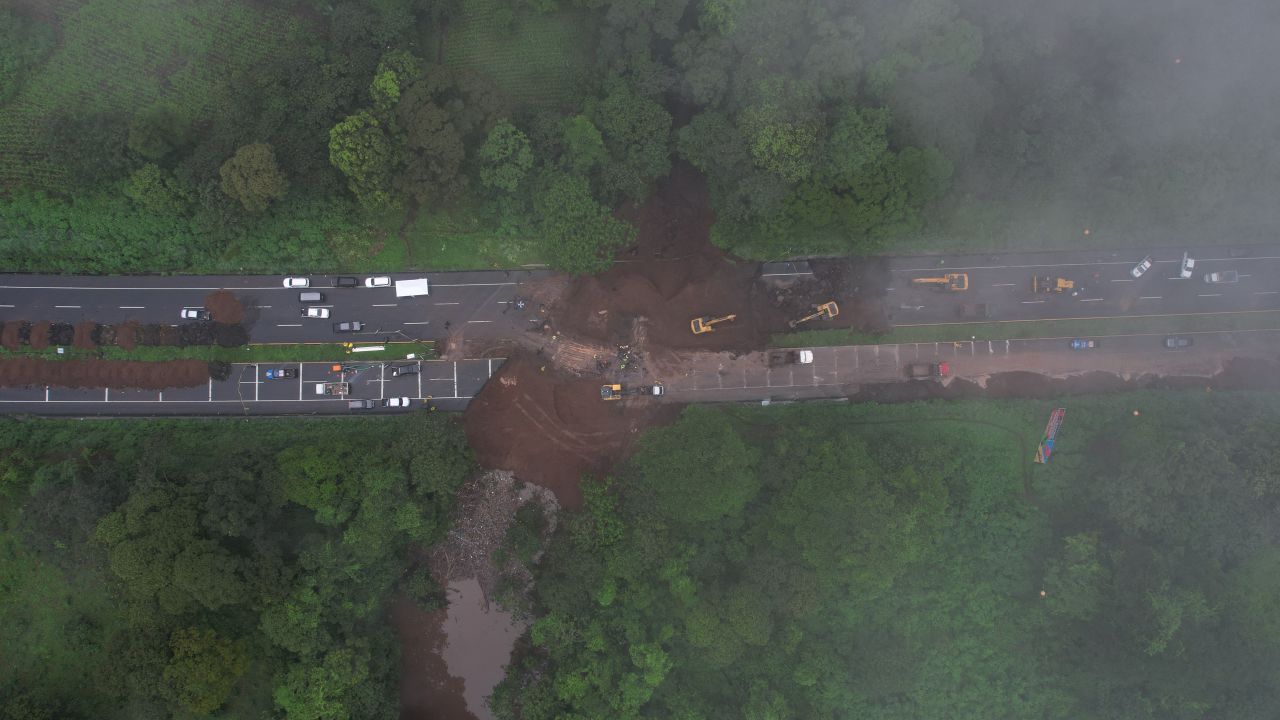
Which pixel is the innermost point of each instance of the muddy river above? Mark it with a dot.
(453, 658)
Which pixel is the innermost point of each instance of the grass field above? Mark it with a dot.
(1020, 330)
(461, 241)
(127, 55)
(533, 58)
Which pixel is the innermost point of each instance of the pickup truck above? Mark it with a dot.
(333, 389)
(779, 358)
(281, 373)
(917, 371)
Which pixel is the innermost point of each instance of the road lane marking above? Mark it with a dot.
(6, 306)
(1092, 317)
(1245, 276)
(1121, 279)
(1151, 297)
(1004, 284)
(1210, 295)
(264, 306)
(1263, 292)
(1026, 302)
(423, 322)
(133, 307)
(479, 321)
(290, 325)
(449, 303)
(1090, 299)
(68, 307)
(435, 285)
(455, 379)
(935, 268)
(391, 305)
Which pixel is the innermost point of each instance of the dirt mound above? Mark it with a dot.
(25, 372)
(224, 307)
(550, 427)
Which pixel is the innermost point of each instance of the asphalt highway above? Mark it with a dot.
(1105, 286)
(480, 302)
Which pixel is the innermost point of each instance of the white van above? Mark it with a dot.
(413, 288)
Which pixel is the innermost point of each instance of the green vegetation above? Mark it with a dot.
(823, 561)
(191, 569)
(1244, 320)
(259, 353)
(536, 59)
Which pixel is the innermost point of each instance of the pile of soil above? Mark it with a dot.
(224, 307)
(550, 427)
(26, 372)
(12, 335)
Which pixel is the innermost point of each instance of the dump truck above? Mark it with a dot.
(918, 371)
(973, 311)
(779, 358)
(955, 282)
(1050, 284)
(333, 389)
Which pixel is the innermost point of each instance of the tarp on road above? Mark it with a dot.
(412, 288)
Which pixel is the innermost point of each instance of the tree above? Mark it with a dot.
(636, 131)
(361, 149)
(1074, 581)
(584, 146)
(156, 190)
(253, 177)
(580, 233)
(505, 158)
(203, 669)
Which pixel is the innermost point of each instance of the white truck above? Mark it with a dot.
(779, 358)
(412, 288)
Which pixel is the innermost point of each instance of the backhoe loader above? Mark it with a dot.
(706, 324)
(826, 311)
(955, 282)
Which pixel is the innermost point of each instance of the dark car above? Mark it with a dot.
(1173, 342)
(345, 282)
(399, 370)
(361, 404)
(346, 327)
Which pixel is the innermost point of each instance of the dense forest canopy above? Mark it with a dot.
(196, 569)
(385, 133)
(910, 562)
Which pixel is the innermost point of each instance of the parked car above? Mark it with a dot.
(397, 402)
(315, 312)
(296, 282)
(1173, 342)
(1081, 344)
(378, 281)
(1188, 266)
(346, 327)
(343, 281)
(310, 296)
(195, 314)
(281, 373)
(1142, 267)
(364, 404)
(1222, 276)
(399, 370)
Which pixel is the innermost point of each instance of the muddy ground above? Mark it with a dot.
(27, 372)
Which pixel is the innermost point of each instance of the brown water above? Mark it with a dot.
(453, 658)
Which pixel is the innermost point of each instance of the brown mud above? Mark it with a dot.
(224, 307)
(26, 372)
(550, 427)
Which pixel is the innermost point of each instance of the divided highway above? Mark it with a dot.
(1106, 286)
(476, 301)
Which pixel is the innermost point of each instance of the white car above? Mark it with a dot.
(1188, 266)
(1141, 267)
(378, 281)
(315, 312)
(397, 402)
(195, 314)
(296, 282)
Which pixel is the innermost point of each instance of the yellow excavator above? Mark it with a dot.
(610, 392)
(955, 282)
(706, 324)
(826, 311)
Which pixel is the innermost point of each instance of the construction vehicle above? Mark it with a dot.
(706, 324)
(955, 282)
(617, 392)
(333, 389)
(780, 358)
(1050, 284)
(917, 371)
(826, 311)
